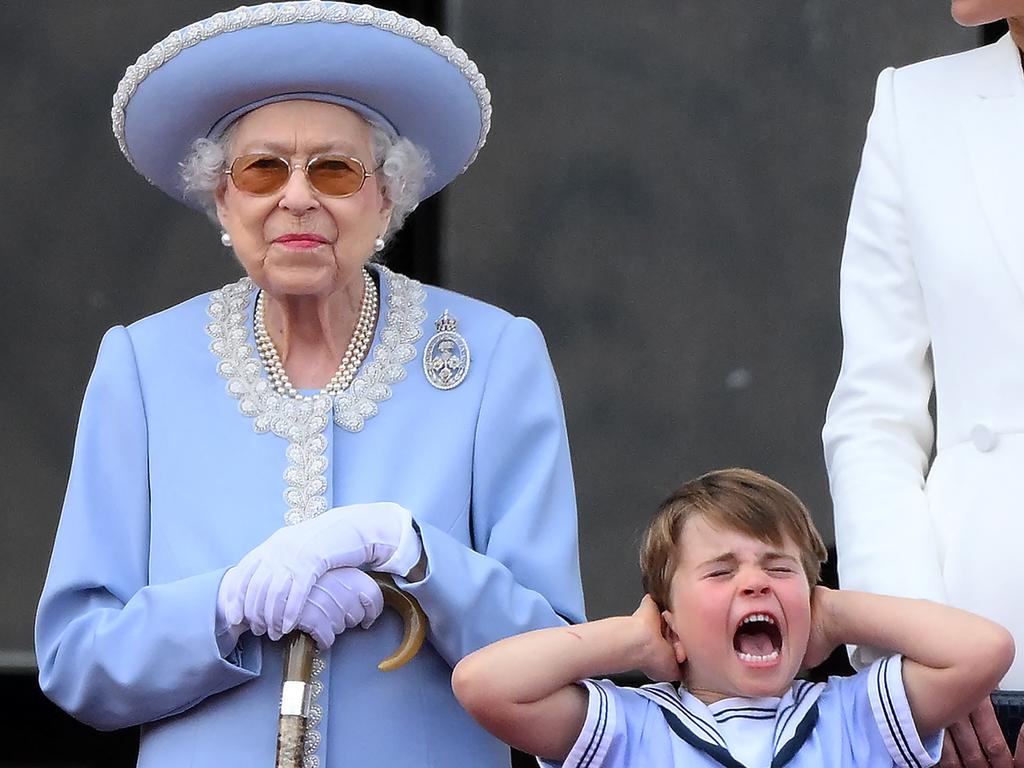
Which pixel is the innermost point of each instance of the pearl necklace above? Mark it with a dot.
(358, 345)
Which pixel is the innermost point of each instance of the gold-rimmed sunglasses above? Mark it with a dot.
(330, 175)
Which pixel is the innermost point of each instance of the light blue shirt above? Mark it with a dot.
(861, 721)
(184, 461)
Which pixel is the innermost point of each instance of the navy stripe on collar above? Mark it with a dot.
(770, 715)
(717, 713)
(721, 754)
(671, 702)
(800, 735)
(795, 721)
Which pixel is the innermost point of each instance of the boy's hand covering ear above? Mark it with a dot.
(662, 649)
(820, 643)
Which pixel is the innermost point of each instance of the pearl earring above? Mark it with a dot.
(225, 239)
(378, 244)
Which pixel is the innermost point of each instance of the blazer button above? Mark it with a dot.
(984, 439)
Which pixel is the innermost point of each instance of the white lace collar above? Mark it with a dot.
(394, 346)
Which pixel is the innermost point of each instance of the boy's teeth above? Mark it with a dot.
(752, 658)
(758, 617)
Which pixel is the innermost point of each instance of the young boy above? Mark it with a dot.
(730, 564)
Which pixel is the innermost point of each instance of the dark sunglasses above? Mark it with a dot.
(330, 175)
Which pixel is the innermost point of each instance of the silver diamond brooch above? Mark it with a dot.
(446, 356)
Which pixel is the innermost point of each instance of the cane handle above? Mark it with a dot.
(298, 669)
(413, 618)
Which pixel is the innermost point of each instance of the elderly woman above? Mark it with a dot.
(245, 457)
(932, 302)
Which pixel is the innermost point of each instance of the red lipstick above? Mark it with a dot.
(301, 240)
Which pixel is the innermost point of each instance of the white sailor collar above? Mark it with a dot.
(795, 715)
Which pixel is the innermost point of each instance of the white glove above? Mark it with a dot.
(270, 585)
(340, 599)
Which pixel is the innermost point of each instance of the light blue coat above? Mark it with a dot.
(184, 461)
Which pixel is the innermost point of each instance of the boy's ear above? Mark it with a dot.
(668, 627)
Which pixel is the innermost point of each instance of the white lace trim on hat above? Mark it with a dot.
(297, 13)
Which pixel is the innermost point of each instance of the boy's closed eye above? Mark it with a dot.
(717, 573)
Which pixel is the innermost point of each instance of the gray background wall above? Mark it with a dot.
(664, 191)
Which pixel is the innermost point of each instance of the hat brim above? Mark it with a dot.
(424, 87)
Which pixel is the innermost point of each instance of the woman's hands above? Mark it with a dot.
(269, 588)
(340, 599)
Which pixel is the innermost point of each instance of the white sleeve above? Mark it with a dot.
(878, 431)
(895, 721)
(875, 718)
(604, 740)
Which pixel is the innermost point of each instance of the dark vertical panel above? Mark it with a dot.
(992, 32)
(416, 250)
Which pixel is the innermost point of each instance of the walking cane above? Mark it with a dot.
(298, 670)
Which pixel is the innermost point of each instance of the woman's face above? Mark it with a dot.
(972, 13)
(297, 241)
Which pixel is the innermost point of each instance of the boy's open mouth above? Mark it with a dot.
(757, 639)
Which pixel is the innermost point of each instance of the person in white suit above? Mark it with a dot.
(932, 302)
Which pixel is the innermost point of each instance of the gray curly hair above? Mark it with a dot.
(403, 165)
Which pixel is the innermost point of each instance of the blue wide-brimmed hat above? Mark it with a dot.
(393, 70)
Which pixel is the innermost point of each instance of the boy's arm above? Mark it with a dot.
(523, 689)
(952, 658)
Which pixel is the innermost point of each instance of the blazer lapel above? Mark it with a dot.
(993, 120)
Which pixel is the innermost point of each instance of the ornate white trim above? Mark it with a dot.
(302, 422)
(404, 327)
(298, 421)
(313, 740)
(304, 12)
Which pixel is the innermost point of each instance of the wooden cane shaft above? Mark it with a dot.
(291, 738)
(298, 658)
(291, 726)
(298, 670)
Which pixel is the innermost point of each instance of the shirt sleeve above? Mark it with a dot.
(878, 432)
(877, 719)
(611, 733)
(113, 649)
(522, 570)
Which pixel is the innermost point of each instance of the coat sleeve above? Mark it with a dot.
(522, 570)
(878, 431)
(113, 649)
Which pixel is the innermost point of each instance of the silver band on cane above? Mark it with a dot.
(295, 698)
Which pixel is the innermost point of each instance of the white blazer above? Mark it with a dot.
(932, 296)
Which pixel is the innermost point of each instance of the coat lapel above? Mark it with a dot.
(993, 119)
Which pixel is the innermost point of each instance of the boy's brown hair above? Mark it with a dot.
(738, 499)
